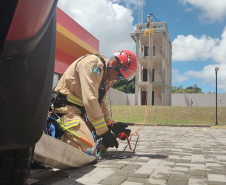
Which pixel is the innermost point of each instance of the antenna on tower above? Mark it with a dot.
(140, 12)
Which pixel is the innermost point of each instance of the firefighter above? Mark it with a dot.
(84, 85)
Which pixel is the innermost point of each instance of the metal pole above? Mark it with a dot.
(216, 98)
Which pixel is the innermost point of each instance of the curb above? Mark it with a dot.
(177, 125)
(169, 125)
(219, 127)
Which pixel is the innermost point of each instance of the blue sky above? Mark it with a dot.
(190, 18)
(197, 30)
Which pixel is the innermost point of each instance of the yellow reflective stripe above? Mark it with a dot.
(74, 100)
(107, 119)
(99, 124)
(96, 57)
(71, 124)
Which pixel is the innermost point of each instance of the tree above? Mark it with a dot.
(129, 87)
(179, 89)
(193, 89)
(125, 86)
(190, 89)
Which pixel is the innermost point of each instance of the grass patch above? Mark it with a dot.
(168, 114)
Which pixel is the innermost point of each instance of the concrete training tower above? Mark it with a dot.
(154, 54)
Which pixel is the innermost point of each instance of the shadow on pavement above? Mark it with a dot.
(48, 176)
(123, 155)
(44, 176)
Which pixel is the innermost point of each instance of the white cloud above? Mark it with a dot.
(191, 48)
(134, 3)
(208, 75)
(106, 20)
(219, 51)
(129, 3)
(211, 9)
(177, 77)
(186, 48)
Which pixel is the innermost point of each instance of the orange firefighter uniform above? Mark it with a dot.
(80, 83)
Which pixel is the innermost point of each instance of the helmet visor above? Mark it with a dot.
(129, 75)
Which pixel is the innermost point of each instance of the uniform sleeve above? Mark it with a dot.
(90, 78)
(105, 110)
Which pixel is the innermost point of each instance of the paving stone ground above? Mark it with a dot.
(163, 156)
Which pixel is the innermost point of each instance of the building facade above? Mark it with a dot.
(72, 42)
(154, 74)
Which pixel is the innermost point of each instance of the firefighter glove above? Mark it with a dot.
(118, 128)
(109, 140)
(123, 135)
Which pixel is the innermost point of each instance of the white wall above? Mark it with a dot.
(119, 98)
(131, 98)
(205, 100)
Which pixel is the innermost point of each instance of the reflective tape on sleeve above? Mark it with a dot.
(71, 124)
(74, 100)
(107, 119)
(99, 124)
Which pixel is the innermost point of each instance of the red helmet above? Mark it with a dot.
(128, 63)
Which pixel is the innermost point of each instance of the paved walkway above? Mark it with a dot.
(164, 155)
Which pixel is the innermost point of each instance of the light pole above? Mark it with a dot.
(216, 69)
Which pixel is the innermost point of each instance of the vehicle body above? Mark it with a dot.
(27, 56)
